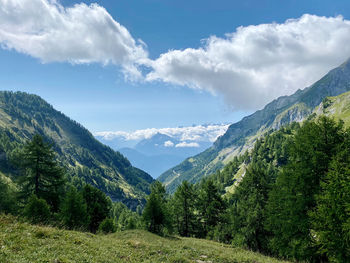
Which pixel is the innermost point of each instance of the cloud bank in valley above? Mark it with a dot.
(248, 67)
(188, 136)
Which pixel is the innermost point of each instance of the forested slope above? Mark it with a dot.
(85, 159)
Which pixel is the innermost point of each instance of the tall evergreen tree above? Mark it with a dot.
(98, 206)
(42, 174)
(211, 206)
(156, 214)
(184, 209)
(248, 210)
(74, 210)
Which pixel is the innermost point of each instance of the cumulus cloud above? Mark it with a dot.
(168, 144)
(46, 30)
(248, 67)
(206, 133)
(186, 144)
(258, 63)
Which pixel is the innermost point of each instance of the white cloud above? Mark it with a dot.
(248, 67)
(186, 144)
(168, 144)
(256, 64)
(206, 133)
(46, 30)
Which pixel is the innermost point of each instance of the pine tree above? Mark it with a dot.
(74, 210)
(156, 214)
(41, 175)
(248, 210)
(184, 209)
(98, 206)
(211, 206)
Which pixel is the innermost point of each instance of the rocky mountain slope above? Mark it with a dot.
(241, 136)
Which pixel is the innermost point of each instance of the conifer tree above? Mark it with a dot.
(248, 210)
(211, 206)
(293, 195)
(41, 175)
(156, 214)
(74, 210)
(331, 218)
(98, 206)
(184, 209)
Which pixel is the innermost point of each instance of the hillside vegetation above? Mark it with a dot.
(21, 242)
(85, 159)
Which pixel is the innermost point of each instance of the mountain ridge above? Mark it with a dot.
(87, 160)
(241, 135)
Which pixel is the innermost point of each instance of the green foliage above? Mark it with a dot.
(74, 210)
(156, 212)
(330, 219)
(85, 159)
(184, 209)
(248, 208)
(41, 175)
(37, 210)
(125, 218)
(211, 207)
(8, 202)
(225, 177)
(107, 226)
(98, 206)
(293, 195)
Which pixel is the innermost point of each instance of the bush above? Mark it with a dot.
(74, 211)
(7, 198)
(37, 210)
(107, 226)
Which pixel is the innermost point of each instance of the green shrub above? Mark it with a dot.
(107, 226)
(37, 210)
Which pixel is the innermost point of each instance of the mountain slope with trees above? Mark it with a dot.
(84, 158)
(241, 136)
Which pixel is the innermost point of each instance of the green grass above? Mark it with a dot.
(339, 108)
(22, 242)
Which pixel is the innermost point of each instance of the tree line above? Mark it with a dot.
(293, 201)
(42, 194)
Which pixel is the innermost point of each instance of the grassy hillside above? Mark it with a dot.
(86, 160)
(241, 136)
(21, 242)
(337, 107)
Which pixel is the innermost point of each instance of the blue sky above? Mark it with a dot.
(101, 98)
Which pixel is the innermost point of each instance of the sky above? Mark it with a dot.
(132, 65)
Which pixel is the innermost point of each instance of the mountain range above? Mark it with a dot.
(158, 153)
(85, 159)
(241, 136)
